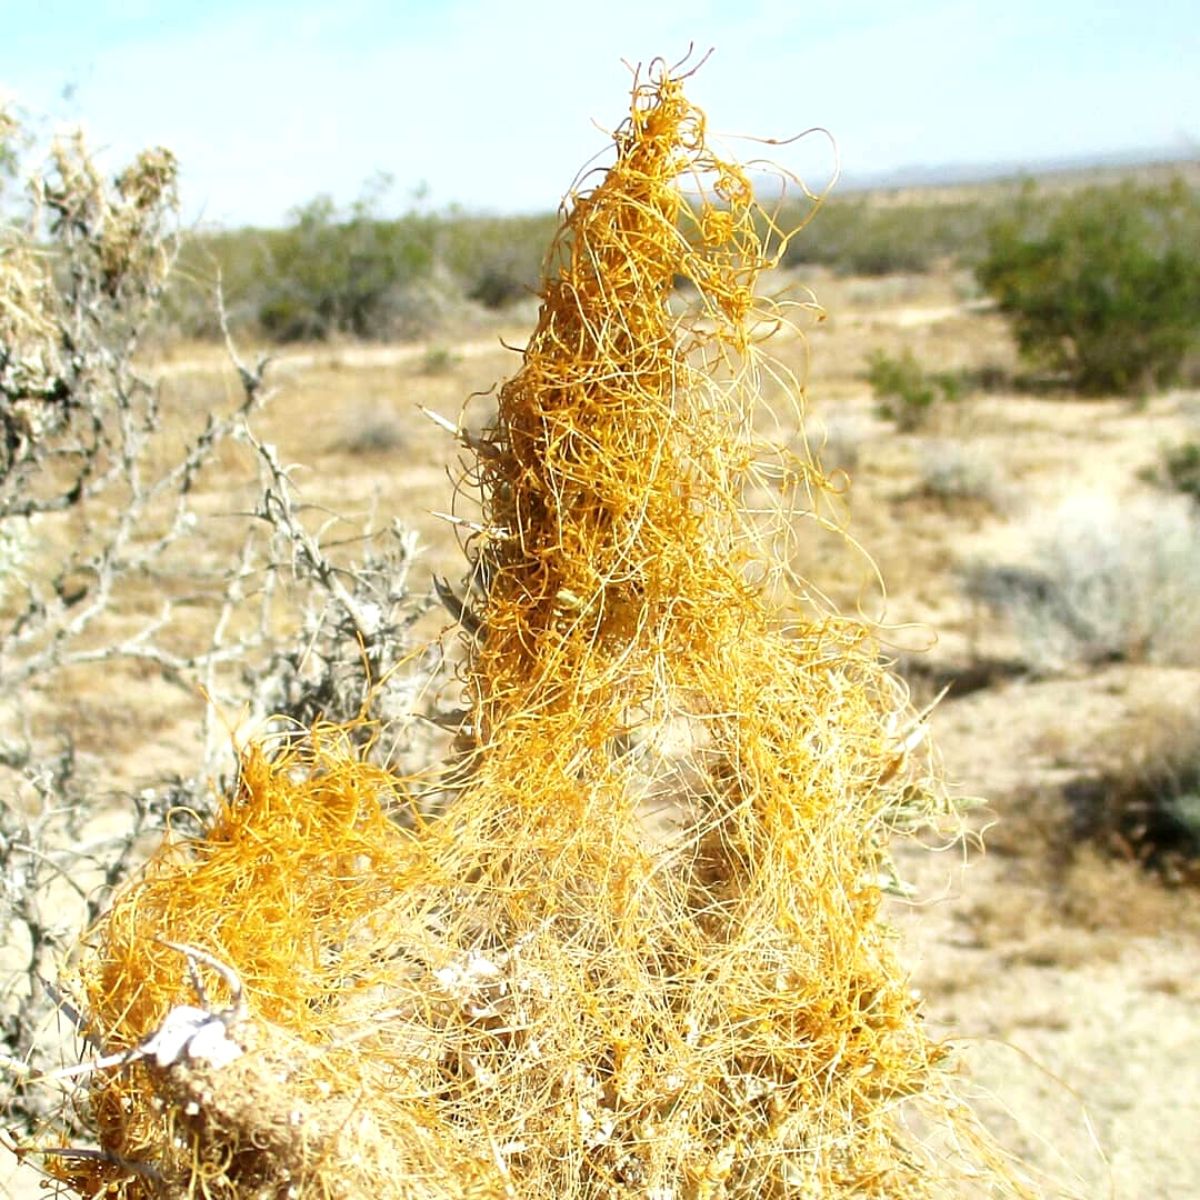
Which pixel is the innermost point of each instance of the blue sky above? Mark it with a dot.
(494, 106)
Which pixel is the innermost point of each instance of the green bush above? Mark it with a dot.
(1180, 469)
(333, 273)
(351, 272)
(330, 272)
(496, 261)
(866, 237)
(1102, 286)
(906, 393)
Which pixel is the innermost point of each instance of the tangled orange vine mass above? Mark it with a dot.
(638, 951)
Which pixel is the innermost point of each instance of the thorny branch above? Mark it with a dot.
(106, 498)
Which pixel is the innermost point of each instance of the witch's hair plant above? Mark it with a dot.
(638, 950)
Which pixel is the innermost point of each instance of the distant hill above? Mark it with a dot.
(1067, 171)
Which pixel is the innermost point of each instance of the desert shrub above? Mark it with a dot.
(955, 472)
(104, 491)
(497, 261)
(1179, 469)
(82, 263)
(866, 237)
(1148, 807)
(82, 269)
(329, 272)
(238, 260)
(1106, 582)
(356, 273)
(498, 285)
(333, 273)
(908, 394)
(1103, 285)
(372, 430)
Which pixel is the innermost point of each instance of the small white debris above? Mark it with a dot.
(168, 1043)
(470, 974)
(188, 1032)
(369, 618)
(213, 1044)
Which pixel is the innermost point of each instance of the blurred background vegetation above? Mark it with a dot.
(355, 273)
(1099, 280)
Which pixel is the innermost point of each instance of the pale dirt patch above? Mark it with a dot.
(1076, 1047)
(1070, 994)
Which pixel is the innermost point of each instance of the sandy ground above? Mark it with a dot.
(1070, 992)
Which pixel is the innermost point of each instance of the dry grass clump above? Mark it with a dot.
(1146, 808)
(960, 475)
(1109, 581)
(639, 951)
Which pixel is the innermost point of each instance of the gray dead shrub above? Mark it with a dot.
(105, 499)
(1106, 581)
(957, 472)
